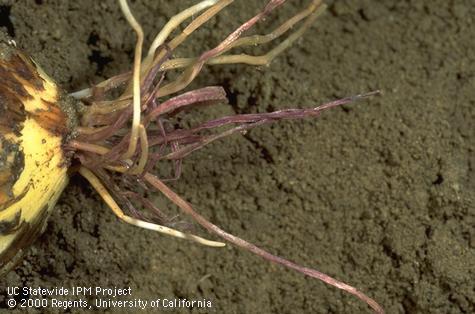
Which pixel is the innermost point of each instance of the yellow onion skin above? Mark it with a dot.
(36, 119)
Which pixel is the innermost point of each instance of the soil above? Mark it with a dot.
(379, 193)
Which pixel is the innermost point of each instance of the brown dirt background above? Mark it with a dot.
(379, 194)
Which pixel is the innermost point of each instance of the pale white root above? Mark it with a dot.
(109, 200)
